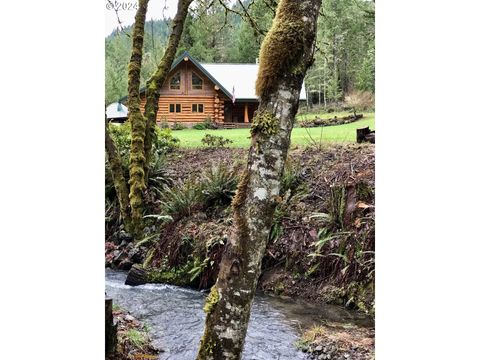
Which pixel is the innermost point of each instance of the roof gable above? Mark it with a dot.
(204, 71)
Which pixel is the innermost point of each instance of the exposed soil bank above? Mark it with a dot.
(321, 246)
(133, 340)
(338, 342)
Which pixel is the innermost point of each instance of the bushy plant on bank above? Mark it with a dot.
(163, 143)
(213, 141)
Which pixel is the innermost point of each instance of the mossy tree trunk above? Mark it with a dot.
(119, 182)
(137, 121)
(143, 125)
(156, 81)
(286, 54)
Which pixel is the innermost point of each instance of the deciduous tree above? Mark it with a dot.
(143, 124)
(285, 55)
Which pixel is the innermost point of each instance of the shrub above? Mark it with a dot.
(178, 126)
(180, 200)
(164, 141)
(164, 123)
(199, 126)
(122, 137)
(207, 123)
(210, 124)
(213, 141)
(217, 185)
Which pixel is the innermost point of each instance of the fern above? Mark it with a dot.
(217, 185)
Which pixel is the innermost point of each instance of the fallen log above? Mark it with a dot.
(136, 276)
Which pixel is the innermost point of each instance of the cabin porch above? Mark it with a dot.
(239, 113)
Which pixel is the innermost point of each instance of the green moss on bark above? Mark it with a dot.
(211, 300)
(288, 31)
(240, 194)
(119, 182)
(137, 121)
(156, 81)
(265, 123)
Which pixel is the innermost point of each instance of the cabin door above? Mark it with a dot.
(228, 112)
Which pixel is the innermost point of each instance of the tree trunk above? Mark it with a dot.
(286, 54)
(156, 81)
(137, 121)
(325, 83)
(119, 182)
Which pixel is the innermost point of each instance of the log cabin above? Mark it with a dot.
(222, 92)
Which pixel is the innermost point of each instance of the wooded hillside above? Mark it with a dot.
(344, 61)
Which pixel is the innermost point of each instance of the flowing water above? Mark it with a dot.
(175, 317)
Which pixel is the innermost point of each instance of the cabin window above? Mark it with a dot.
(197, 82)
(197, 108)
(175, 108)
(175, 82)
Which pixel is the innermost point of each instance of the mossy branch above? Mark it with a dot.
(158, 78)
(137, 121)
(119, 182)
(285, 44)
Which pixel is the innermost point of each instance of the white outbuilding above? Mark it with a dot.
(117, 112)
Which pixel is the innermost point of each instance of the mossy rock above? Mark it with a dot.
(179, 277)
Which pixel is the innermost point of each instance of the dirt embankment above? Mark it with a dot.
(321, 246)
(133, 340)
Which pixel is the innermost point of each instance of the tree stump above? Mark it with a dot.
(350, 204)
(110, 329)
(136, 276)
(370, 137)
(365, 135)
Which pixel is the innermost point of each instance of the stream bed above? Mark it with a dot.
(175, 317)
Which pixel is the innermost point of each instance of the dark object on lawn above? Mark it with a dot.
(110, 329)
(365, 135)
(136, 276)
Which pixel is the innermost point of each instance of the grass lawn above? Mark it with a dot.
(191, 138)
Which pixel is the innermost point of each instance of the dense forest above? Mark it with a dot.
(344, 60)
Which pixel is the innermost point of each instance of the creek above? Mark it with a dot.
(175, 317)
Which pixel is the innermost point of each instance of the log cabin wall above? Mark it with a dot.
(210, 96)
